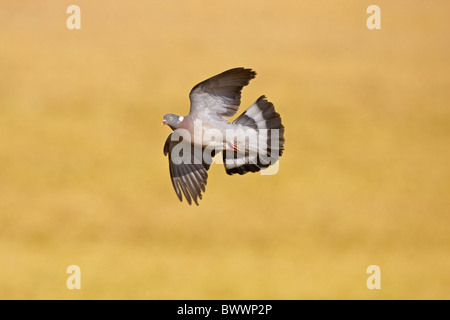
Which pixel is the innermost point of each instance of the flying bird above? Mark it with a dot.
(253, 141)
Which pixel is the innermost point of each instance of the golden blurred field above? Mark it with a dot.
(364, 180)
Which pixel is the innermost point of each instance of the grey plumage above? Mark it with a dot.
(213, 101)
(187, 178)
(260, 116)
(219, 97)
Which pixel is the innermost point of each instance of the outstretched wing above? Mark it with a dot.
(188, 176)
(219, 97)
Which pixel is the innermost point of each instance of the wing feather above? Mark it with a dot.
(219, 97)
(188, 179)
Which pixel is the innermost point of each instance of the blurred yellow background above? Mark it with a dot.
(364, 179)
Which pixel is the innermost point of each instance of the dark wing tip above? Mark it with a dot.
(241, 75)
(244, 73)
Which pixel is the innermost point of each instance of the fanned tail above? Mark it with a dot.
(262, 120)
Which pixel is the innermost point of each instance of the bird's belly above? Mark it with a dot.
(209, 135)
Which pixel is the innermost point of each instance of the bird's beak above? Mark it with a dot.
(164, 122)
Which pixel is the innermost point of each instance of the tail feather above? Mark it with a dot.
(262, 117)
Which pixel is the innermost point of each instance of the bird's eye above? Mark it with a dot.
(171, 118)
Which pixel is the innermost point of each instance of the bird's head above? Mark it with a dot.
(172, 120)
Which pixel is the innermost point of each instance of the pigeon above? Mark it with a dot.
(253, 141)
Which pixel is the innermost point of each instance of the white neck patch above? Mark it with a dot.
(180, 118)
